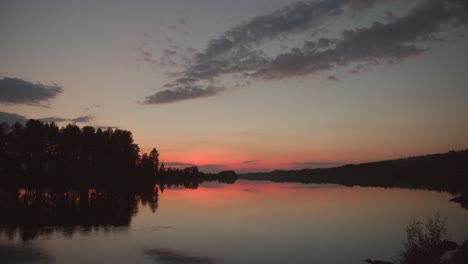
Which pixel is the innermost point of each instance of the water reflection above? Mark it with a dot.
(24, 254)
(36, 212)
(161, 255)
(246, 222)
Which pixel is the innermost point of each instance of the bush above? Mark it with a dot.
(426, 242)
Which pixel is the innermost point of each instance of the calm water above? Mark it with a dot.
(245, 222)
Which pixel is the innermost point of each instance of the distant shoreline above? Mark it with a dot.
(440, 172)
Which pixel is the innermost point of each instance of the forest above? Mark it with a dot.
(441, 172)
(39, 151)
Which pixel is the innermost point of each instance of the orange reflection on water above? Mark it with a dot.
(301, 204)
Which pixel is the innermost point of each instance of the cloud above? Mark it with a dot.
(17, 91)
(332, 78)
(238, 52)
(211, 168)
(249, 162)
(12, 118)
(82, 119)
(380, 43)
(235, 52)
(292, 19)
(175, 257)
(106, 127)
(314, 165)
(183, 92)
(177, 164)
(252, 170)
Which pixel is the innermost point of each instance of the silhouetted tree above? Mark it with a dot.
(154, 157)
(45, 150)
(88, 147)
(42, 147)
(4, 130)
(34, 142)
(150, 163)
(162, 168)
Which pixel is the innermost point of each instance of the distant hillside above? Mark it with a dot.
(447, 172)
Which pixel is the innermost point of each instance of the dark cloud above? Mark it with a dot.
(238, 54)
(332, 78)
(178, 164)
(248, 162)
(183, 92)
(11, 118)
(81, 119)
(175, 257)
(17, 91)
(252, 170)
(235, 51)
(314, 165)
(106, 127)
(391, 42)
(292, 19)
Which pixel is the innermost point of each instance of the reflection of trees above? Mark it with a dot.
(34, 212)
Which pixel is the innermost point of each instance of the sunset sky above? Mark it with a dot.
(250, 85)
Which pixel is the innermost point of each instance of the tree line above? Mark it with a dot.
(39, 147)
(44, 148)
(447, 171)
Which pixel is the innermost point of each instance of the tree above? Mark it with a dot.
(426, 243)
(43, 147)
(88, 139)
(70, 146)
(154, 157)
(4, 130)
(162, 169)
(150, 163)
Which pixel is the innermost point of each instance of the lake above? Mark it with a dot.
(245, 222)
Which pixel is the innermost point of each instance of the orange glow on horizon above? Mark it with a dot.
(247, 159)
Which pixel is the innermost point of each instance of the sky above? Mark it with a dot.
(249, 85)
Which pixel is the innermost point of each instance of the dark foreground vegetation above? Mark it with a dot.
(42, 153)
(428, 243)
(442, 172)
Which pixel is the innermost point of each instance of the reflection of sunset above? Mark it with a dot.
(332, 198)
(207, 131)
(245, 222)
(263, 210)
